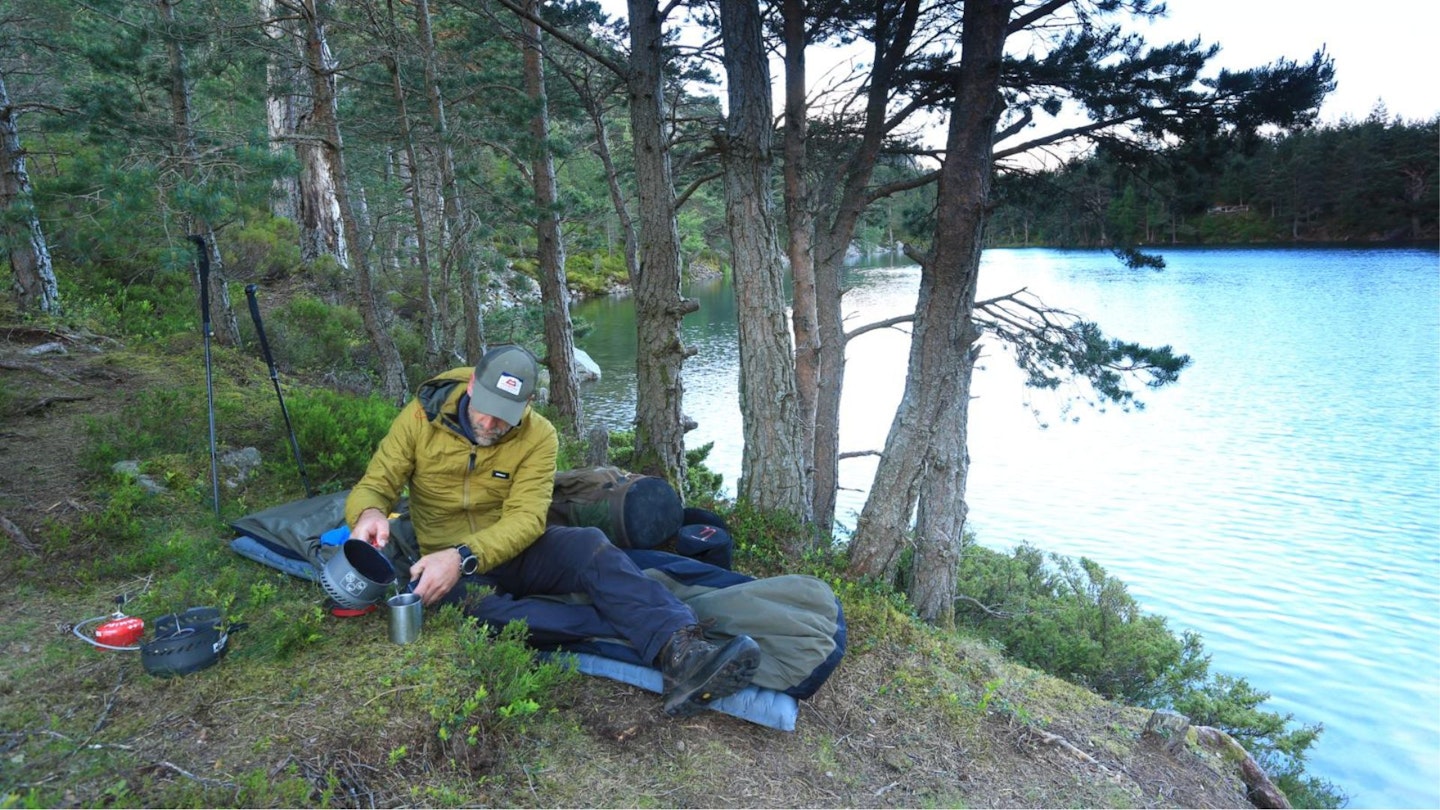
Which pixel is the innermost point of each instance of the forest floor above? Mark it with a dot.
(337, 716)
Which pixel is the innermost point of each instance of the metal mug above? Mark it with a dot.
(405, 615)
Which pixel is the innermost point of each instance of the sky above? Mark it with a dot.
(1383, 49)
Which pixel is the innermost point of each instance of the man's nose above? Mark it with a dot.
(487, 422)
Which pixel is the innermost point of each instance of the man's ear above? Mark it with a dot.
(470, 389)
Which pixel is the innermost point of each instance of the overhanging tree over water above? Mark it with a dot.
(1131, 94)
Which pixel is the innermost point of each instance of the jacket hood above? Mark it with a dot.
(440, 396)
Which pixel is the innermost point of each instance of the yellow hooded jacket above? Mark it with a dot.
(492, 499)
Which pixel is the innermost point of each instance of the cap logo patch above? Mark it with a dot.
(509, 383)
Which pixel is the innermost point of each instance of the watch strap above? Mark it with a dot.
(469, 563)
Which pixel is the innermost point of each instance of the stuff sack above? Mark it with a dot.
(633, 510)
(706, 543)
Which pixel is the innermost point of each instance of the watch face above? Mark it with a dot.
(468, 561)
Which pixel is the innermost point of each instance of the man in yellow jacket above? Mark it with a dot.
(479, 463)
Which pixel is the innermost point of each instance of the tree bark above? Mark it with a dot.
(925, 461)
(659, 307)
(800, 223)
(773, 475)
(29, 254)
(283, 74)
(321, 231)
(835, 229)
(327, 124)
(183, 129)
(430, 322)
(550, 248)
(455, 227)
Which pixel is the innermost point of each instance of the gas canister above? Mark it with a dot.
(121, 631)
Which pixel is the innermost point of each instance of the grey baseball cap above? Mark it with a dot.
(504, 380)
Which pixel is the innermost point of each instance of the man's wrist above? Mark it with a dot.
(469, 563)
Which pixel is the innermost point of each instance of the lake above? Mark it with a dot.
(1282, 500)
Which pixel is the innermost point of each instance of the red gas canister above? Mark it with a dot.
(121, 631)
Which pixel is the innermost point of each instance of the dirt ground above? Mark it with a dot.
(876, 735)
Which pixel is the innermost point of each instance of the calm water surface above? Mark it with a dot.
(1283, 500)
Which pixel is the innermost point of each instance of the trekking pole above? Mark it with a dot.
(275, 378)
(204, 266)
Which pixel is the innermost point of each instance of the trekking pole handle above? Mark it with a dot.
(203, 258)
(259, 327)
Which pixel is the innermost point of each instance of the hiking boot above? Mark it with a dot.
(697, 672)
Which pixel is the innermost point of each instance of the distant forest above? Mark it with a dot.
(1368, 181)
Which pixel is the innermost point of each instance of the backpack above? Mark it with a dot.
(633, 510)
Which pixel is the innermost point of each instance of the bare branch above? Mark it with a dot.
(880, 192)
(616, 67)
(885, 324)
(1039, 12)
(993, 612)
(17, 536)
(695, 186)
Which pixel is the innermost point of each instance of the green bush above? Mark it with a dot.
(1071, 619)
(703, 486)
(768, 544)
(1232, 705)
(596, 272)
(307, 333)
(506, 684)
(1238, 228)
(338, 433)
(265, 247)
(164, 305)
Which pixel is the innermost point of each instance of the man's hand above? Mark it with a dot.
(373, 526)
(441, 571)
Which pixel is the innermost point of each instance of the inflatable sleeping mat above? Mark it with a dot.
(796, 620)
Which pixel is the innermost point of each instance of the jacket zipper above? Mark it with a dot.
(469, 478)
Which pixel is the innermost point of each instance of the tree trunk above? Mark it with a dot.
(580, 78)
(940, 519)
(660, 353)
(550, 249)
(410, 163)
(30, 266)
(327, 125)
(321, 231)
(893, 30)
(455, 229)
(183, 129)
(925, 460)
(773, 475)
(283, 74)
(800, 222)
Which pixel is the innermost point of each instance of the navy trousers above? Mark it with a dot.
(624, 603)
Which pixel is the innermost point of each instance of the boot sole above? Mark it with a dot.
(731, 670)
